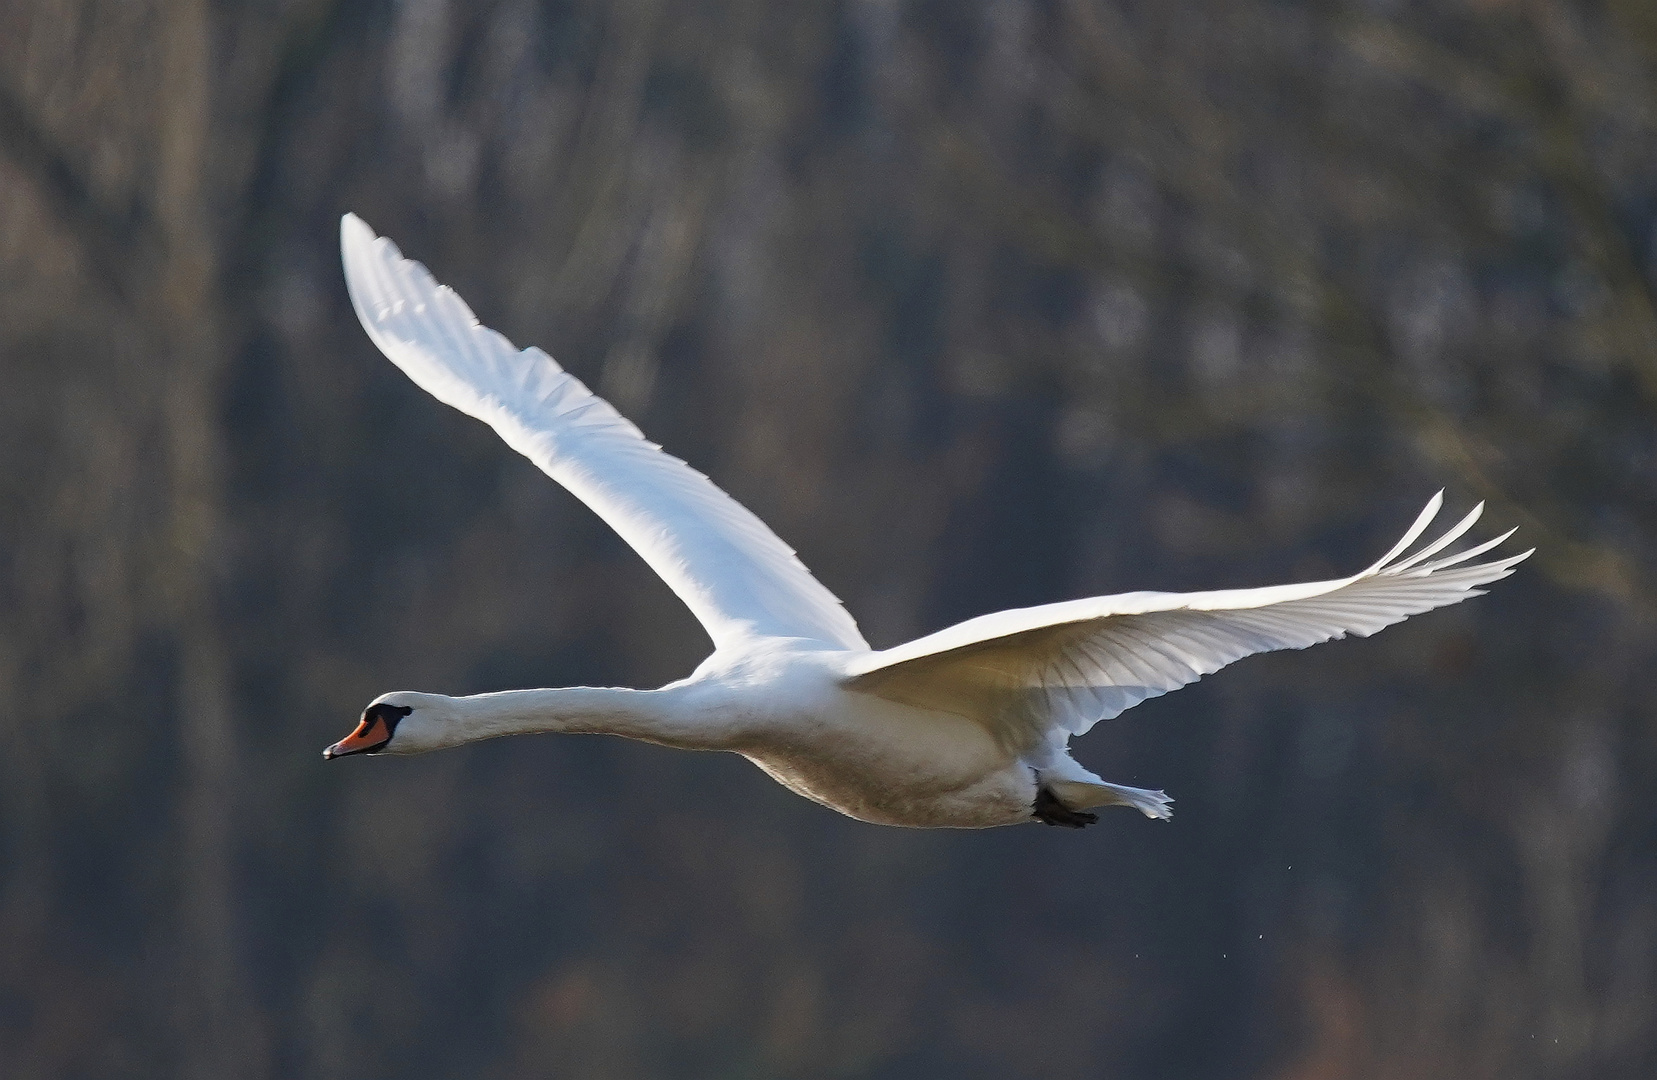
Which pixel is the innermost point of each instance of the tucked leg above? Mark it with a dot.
(1050, 811)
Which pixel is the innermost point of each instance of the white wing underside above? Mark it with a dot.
(725, 564)
(1033, 673)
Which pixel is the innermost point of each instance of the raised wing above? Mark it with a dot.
(1031, 671)
(722, 561)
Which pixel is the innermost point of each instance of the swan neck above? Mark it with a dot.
(660, 716)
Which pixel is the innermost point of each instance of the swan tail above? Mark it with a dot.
(1083, 795)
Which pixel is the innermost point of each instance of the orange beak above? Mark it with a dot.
(371, 734)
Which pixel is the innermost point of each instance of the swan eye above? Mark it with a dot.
(387, 714)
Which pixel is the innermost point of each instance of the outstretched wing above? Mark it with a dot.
(1029, 671)
(722, 561)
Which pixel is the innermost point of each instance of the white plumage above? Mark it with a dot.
(964, 727)
(675, 517)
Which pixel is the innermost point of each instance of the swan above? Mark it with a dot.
(966, 728)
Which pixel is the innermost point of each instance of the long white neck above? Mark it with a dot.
(666, 716)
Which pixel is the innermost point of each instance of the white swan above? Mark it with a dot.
(967, 727)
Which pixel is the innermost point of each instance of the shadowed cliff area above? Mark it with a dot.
(979, 304)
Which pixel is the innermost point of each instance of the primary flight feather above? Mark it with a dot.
(967, 727)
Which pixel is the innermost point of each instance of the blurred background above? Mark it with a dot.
(979, 304)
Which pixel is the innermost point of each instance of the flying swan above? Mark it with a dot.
(967, 728)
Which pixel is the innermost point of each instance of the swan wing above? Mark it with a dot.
(1031, 672)
(725, 564)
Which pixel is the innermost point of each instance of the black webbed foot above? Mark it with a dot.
(1050, 811)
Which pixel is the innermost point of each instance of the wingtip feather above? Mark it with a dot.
(354, 231)
(1450, 537)
(1424, 519)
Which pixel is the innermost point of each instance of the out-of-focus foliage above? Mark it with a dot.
(979, 304)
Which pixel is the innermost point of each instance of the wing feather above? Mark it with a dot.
(1067, 666)
(722, 561)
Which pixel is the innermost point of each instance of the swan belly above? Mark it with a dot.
(892, 764)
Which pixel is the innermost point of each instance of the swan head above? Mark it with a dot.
(401, 722)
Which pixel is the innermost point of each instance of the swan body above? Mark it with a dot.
(968, 727)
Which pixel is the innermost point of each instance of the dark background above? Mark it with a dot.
(978, 304)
